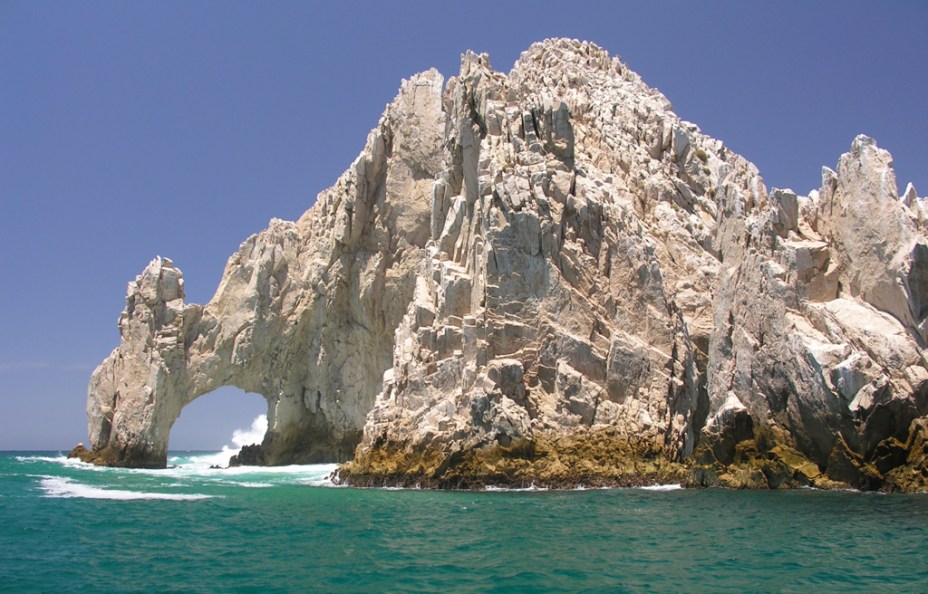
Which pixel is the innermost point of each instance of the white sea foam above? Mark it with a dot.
(63, 460)
(59, 459)
(530, 489)
(670, 487)
(196, 469)
(61, 487)
(533, 488)
(254, 434)
(321, 476)
(248, 484)
(200, 468)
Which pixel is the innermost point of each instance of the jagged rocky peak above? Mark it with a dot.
(549, 277)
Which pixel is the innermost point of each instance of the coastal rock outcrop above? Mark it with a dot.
(548, 277)
(305, 313)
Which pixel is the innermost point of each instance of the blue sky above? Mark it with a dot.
(135, 129)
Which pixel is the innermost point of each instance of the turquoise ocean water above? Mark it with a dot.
(67, 527)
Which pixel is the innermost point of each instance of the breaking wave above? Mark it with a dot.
(671, 487)
(199, 467)
(530, 489)
(61, 487)
(240, 438)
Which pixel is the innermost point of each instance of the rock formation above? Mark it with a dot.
(305, 313)
(549, 277)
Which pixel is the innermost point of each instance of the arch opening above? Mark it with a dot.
(223, 421)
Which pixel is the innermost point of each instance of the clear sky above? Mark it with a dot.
(135, 129)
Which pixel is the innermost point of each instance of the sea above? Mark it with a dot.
(66, 526)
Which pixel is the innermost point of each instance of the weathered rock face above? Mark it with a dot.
(305, 313)
(549, 277)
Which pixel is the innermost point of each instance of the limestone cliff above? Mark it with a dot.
(548, 277)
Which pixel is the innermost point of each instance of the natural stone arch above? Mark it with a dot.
(305, 314)
(316, 371)
(608, 292)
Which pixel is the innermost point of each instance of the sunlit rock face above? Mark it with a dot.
(305, 313)
(547, 277)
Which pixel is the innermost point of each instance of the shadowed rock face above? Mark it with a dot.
(549, 277)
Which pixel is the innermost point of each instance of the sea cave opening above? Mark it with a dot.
(222, 420)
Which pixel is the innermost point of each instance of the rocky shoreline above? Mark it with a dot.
(560, 462)
(602, 461)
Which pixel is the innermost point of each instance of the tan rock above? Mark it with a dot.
(523, 270)
(305, 314)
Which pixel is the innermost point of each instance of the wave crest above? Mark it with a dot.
(60, 487)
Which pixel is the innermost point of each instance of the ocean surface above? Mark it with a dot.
(66, 526)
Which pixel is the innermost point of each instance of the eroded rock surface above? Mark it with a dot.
(305, 313)
(547, 277)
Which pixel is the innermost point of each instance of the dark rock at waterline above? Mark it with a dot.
(80, 452)
(250, 455)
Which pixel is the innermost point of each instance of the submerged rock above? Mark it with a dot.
(548, 278)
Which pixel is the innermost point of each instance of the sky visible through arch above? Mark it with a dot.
(130, 130)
